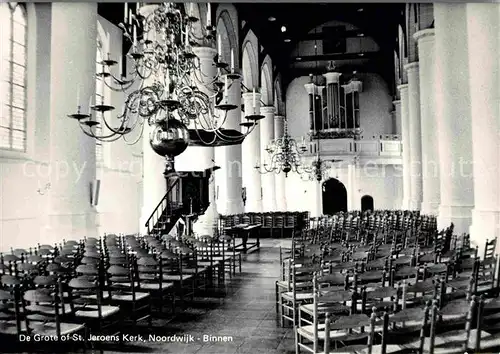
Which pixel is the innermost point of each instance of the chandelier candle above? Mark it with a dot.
(167, 82)
(135, 36)
(226, 87)
(254, 98)
(209, 15)
(90, 103)
(219, 47)
(232, 61)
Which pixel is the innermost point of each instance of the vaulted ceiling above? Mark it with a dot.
(377, 21)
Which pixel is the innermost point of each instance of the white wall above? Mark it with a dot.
(22, 174)
(24, 199)
(121, 171)
(375, 105)
(382, 182)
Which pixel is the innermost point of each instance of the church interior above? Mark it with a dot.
(249, 177)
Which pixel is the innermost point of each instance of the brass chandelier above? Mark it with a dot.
(285, 155)
(167, 87)
(319, 169)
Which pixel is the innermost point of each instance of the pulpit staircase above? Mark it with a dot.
(186, 198)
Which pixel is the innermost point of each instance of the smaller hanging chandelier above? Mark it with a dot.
(318, 170)
(285, 155)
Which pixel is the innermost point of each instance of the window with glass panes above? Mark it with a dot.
(13, 43)
(99, 99)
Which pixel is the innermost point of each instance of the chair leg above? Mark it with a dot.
(276, 289)
(297, 346)
(281, 311)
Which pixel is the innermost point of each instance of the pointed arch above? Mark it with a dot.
(227, 20)
(278, 95)
(250, 61)
(266, 81)
(229, 38)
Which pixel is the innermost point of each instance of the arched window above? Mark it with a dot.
(99, 99)
(13, 42)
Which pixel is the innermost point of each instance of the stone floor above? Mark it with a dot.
(246, 315)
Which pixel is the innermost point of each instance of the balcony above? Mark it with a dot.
(382, 149)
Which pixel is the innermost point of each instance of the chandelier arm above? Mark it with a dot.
(124, 84)
(139, 136)
(116, 131)
(199, 136)
(208, 128)
(102, 138)
(122, 88)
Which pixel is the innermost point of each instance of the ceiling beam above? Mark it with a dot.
(345, 69)
(339, 56)
(325, 35)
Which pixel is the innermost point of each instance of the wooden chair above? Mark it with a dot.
(328, 288)
(12, 324)
(346, 330)
(150, 278)
(301, 291)
(122, 287)
(42, 310)
(87, 304)
(278, 225)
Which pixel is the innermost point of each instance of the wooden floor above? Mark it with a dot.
(246, 316)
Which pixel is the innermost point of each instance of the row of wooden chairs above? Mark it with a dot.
(273, 224)
(369, 273)
(98, 285)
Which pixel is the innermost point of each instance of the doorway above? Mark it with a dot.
(334, 197)
(366, 203)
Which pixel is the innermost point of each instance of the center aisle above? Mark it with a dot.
(246, 316)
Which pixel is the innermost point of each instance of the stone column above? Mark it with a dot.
(201, 158)
(266, 136)
(396, 123)
(311, 92)
(318, 198)
(154, 185)
(352, 200)
(405, 140)
(72, 154)
(453, 117)
(483, 26)
(415, 136)
(429, 136)
(229, 177)
(279, 179)
(251, 157)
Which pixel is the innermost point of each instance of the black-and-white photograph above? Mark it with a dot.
(249, 177)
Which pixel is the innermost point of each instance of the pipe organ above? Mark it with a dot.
(334, 108)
